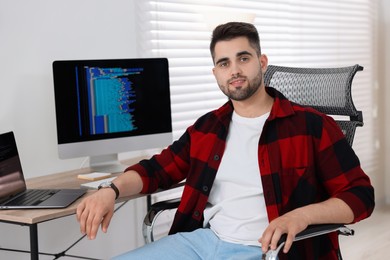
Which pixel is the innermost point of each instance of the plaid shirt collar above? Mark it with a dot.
(282, 107)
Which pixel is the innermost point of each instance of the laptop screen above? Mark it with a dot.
(11, 175)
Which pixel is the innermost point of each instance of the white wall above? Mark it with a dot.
(32, 35)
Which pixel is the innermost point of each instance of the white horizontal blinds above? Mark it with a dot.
(175, 30)
(317, 33)
(305, 33)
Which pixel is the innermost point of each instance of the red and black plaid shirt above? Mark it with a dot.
(303, 159)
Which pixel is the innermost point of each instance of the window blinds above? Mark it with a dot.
(304, 33)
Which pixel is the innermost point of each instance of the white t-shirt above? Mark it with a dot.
(236, 211)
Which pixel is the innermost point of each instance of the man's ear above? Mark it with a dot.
(264, 62)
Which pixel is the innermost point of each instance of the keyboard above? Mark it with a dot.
(32, 197)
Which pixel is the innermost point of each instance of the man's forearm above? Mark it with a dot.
(333, 210)
(128, 183)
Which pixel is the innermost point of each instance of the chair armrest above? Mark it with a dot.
(311, 231)
(155, 210)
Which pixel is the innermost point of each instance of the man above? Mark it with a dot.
(256, 168)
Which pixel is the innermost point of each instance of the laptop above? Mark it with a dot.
(13, 191)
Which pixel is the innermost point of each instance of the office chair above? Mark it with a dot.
(326, 89)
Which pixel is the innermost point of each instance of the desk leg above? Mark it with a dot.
(34, 242)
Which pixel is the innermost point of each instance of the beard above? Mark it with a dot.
(242, 93)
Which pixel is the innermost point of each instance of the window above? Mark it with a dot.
(305, 33)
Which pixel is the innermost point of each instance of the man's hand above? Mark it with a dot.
(96, 210)
(290, 223)
(330, 211)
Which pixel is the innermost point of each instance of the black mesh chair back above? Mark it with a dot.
(326, 89)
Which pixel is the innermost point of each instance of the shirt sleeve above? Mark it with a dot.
(341, 171)
(165, 169)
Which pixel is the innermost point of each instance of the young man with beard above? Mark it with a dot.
(256, 168)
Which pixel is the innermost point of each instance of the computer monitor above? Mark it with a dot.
(106, 107)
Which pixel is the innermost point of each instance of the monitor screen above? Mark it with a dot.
(105, 107)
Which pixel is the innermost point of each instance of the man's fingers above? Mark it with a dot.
(275, 238)
(92, 224)
(82, 216)
(289, 241)
(94, 211)
(106, 221)
(96, 221)
(270, 240)
(79, 210)
(265, 240)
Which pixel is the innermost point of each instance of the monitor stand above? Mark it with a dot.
(106, 163)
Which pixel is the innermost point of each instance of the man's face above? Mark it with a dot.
(238, 69)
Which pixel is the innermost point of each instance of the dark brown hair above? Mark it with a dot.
(231, 30)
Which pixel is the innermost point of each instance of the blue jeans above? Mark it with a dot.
(200, 244)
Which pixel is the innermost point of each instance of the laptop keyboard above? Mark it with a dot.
(33, 197)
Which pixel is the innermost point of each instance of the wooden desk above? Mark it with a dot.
(32, 217)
